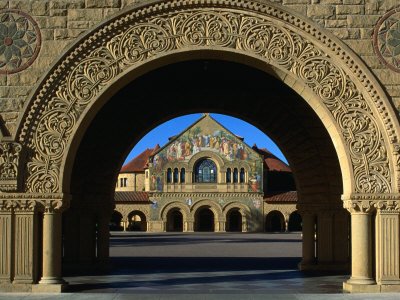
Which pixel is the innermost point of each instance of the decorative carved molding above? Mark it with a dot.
(371, 197)
(361, 206)
(20, 41)
(34, 202)
(10, 158)
(206, 195)
(245, 26)
(389, 206)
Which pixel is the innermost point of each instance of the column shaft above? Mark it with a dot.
(308, 240)
(103, 239)
(387, 247)
(51, 248)
(361, 249)
(6, 252)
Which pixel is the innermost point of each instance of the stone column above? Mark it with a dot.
(103, 238)
(387, 242)
(308, 260)
(87, 243)
(341, 245)
(26, 242)
(361, 242)
(71, 236)
(324, 238)
(189, 226)
(52, 246)
(6, 247)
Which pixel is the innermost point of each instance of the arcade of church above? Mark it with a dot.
(320, 77)
(205, 179)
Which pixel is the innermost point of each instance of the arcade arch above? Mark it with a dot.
(335, 125)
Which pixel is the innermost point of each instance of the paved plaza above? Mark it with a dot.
(204, 266)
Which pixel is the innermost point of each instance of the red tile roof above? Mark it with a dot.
(139, 163)
(271, 162)
(281, 197)
(132, 197)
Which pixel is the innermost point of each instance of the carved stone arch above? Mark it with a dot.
(244, 211)
(183, 208)
(212, 205)
(312, 61)
(243, 208)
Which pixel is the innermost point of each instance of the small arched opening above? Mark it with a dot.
(174, 220)
(274, 222)
(137, 221)
(116, 221)
(234, 220)
(204, 220)
(295, 222)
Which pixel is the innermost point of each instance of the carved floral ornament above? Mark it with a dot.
(246, 27)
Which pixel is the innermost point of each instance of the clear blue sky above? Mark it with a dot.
(160, 134)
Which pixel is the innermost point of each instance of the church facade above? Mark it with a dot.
(205, 179)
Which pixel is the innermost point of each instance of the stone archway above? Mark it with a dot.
(321, 69)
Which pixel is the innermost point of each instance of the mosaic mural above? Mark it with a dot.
(206, 135)
(20, 41)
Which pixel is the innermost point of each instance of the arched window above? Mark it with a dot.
(176, 175)
(228, 175)
(235, 175)
(206, 171)
(169, 175)
(182, 175)
(241, 175)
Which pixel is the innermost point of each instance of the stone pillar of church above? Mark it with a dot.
(26, 243)
(361, 244)
(103, 238)
(308, 249)
(51, 247)
(324, 239)
(87, 238)
(6, 249)
(387, 242)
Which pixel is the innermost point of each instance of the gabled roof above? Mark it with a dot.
(139, 163)
(271, 162)
(290, 196)
(132, 197)
(172, 139)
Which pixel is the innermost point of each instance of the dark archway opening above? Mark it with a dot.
(174, 221)
(137, 221)
(295, 222)
(234, 220)
(274, 222)
(116, 221)
(204, 220)
(205, 85)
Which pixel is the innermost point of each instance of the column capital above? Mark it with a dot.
(366, 203)
(359, 206)
(388, 206)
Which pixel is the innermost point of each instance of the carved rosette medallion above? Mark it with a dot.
(20, 41)
(253, 29)
(386, 39)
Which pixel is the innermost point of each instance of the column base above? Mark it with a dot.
(49, 288)
(361, 280)
(52, 280)
(305, 266)
(360, 288)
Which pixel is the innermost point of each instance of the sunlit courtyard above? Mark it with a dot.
(205, 263)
